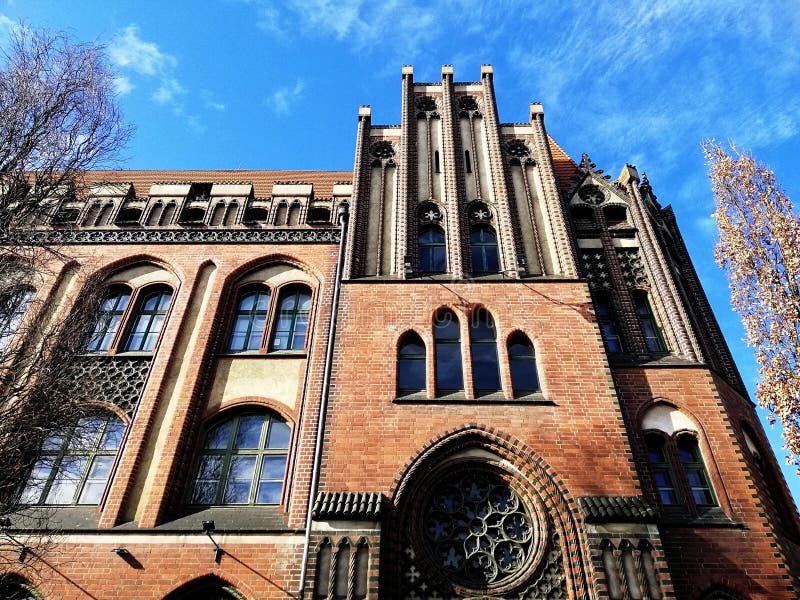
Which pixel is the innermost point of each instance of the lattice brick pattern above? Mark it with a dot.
(115, 379)
(630, 261)
(593, 265)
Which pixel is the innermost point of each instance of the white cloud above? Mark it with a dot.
(141, 63)
(129, 51)
(283, 98)
(123, 85)
(168, 92)
(7, 25)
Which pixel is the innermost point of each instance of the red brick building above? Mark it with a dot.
(471, 368)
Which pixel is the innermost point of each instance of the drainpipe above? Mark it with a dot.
(342, 218)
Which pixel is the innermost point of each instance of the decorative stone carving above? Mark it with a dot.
(594, 268)
(478, 529)
(429, 212)
(468, 107)
(185, 236)
(426, 104)
(479, 212)
(632, 268)
(382, 150)
(591, 194)
(115, 379)
(518, 149)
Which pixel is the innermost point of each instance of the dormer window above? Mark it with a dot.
(199, 192)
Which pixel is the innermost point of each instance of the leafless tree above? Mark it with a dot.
(58, 119)
(759, 247)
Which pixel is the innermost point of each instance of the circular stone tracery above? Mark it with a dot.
(478, 530)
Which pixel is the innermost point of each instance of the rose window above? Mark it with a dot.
(478, 530)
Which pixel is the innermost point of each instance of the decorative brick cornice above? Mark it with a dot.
(616, 509)
(347, 505)
(326, 235)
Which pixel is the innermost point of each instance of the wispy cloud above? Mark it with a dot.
(133, 55)
(7, 25)
(143, 64)
(282, 99)
(123, 85)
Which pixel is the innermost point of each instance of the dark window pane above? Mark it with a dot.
(411, 374)
(448, 367)
(218, 437)
(269, 492)
(485, 368)
(483, 249)
(445, 327)
(279, 433)
(249, 433)
(432, 256)
(273, 467)
(523, 375)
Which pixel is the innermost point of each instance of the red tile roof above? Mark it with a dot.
(564, 167)
(262, 181)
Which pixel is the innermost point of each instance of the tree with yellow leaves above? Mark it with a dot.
(759, 247)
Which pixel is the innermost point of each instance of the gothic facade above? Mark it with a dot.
(470, 368)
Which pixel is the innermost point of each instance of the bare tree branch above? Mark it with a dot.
(58, 119)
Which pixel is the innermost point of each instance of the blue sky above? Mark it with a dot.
(254, 84)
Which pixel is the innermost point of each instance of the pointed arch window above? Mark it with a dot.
(483, 347)
(291, 322)
(695, 470)
(411, 364)
(447, 337)
(243, 461)
(250, 320)
(147, 319)
(607, 320)
(14, 304)
(74, 466)
(650, 329)
(432, 255)
(662, 471)
(522, 361)
(109, 317)
(483, 247)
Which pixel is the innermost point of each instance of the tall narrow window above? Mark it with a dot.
(695, 469)
(148, 319)
(483, 246)
(467, 161)
(243, 461)
(483, 344)
(607, 320)
(432, 256)
(522, 361)
(250, 320)
(447, 335)
(411, 364)
(662, 474)
(112, 307)
(73, 467)
(291, 322)
(437, 168)
(650, 330)
(13, 305)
